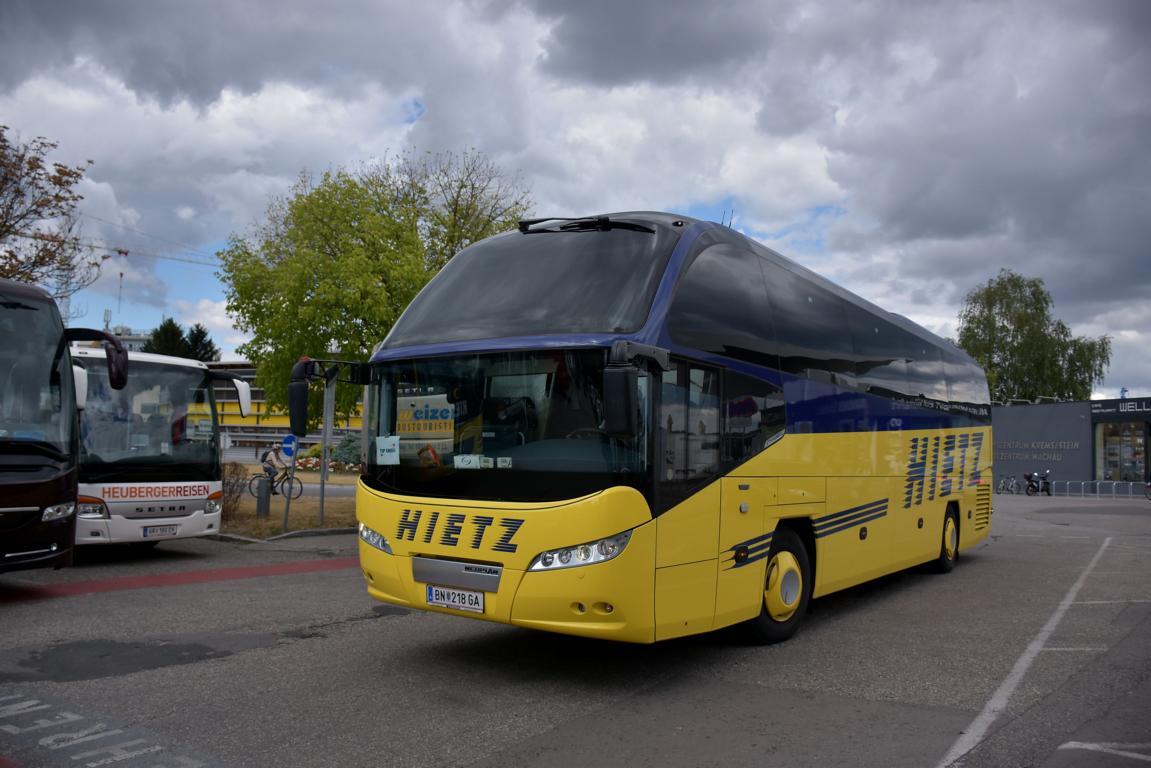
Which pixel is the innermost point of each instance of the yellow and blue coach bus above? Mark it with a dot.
(640, 426)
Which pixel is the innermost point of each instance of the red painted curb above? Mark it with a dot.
(27, 592)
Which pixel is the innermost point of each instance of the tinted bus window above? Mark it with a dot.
(810, 327)
(720, 307)
(688, 424)
(753, 416)
(542, 283)
(880, 356)
(967, 388)
(925, 376)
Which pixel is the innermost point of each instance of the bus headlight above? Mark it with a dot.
(58, 511)
(581, 554)
(214, 503)
(92, 508)
(374, 538)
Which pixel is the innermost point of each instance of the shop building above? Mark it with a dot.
(1102, 440)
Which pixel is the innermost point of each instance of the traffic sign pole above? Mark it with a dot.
(289, 447)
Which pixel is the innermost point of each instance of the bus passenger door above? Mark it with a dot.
(743, 547)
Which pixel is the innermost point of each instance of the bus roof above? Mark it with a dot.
(17, 289)
(141, 357)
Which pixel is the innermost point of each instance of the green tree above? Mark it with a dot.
(39, 240)
(334, 263)
(1006, 324)
(200, 344)
(167, 339)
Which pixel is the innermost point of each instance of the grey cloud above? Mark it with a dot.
(608, 43)
(179, 50)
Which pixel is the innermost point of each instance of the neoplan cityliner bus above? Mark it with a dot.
(40, 393)
(150, 461)
(641, 426)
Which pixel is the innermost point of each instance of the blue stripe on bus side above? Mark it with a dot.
(852, 524)
(833, 517)
(849, 518)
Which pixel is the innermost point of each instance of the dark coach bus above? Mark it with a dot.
(39, 429)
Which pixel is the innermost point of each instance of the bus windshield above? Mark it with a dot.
(519, 426)
(37, 406)
(163, 420)
(541, 283)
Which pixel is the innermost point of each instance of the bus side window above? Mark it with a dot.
(753, 416)
(689, 436)
(719, 307)
(811, 328)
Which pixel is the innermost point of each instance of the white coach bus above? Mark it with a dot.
(150, 453)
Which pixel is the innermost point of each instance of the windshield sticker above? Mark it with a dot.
(388, 450)
(469, 461)
(425, 425)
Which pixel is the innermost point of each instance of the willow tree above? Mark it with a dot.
(1007, 325)
(335, 262)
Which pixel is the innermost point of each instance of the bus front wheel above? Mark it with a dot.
(786, 592)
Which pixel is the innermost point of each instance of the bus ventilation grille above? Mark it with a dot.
(982, 507)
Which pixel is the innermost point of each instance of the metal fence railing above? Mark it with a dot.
(1115, 489)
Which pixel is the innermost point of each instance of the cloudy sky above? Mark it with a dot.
(907, 149)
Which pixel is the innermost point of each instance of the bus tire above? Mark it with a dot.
(949, 544)
(787, 590)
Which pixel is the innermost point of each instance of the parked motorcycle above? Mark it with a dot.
(1038, 483)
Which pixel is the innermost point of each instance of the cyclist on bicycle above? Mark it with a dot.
(273, 463)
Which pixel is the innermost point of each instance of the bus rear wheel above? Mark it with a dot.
(949, 546)
(786, 592)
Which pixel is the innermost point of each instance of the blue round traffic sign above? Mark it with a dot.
(288, 446)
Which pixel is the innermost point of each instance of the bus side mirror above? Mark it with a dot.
(298, 396)
(244, 395)
(117, 355)
(621, 400)
(80, 377)
(117, 365)
(298, 407)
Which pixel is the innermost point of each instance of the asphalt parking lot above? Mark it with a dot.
(1035, 651)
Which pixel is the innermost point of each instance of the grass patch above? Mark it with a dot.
(339, 512)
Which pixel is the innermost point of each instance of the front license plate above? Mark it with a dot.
(153, 531)
(460, 599)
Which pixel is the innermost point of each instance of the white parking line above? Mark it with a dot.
(1077, 650)
(1108, 602)
(974, 734)
(1111, 748)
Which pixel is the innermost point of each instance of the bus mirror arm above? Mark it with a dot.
(624, 352)
(117, 355)
(306, 369)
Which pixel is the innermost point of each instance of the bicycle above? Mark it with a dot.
(295, 487)
(1007, 485)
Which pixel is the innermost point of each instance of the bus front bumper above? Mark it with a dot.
(612, 600)
(118, 529)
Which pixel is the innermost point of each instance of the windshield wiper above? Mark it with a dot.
(585, 224)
